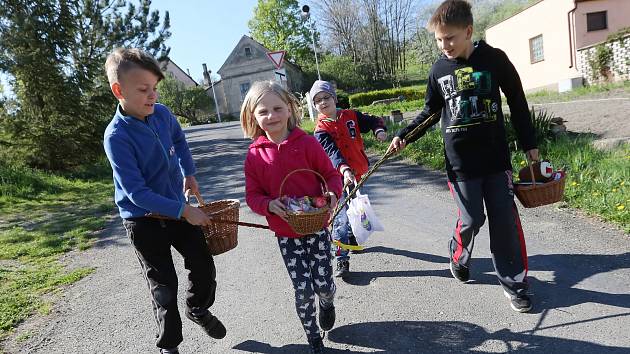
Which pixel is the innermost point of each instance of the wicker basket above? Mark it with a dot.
(305, 223)
(538, 194)
(220, 237)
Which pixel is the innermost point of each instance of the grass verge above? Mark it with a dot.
(43, 216)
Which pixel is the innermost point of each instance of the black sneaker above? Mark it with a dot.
(519, 302)
(210, 324)
(316, 345)
(343, 268)
(327, 318)
(459, 272)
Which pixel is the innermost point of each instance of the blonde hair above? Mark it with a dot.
(121, 60)
(456, 13)
(250, 127)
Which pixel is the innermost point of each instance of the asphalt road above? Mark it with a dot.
(400, 298)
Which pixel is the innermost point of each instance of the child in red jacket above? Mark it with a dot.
(339, 132)
(269, 116)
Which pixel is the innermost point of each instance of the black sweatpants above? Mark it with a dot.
(507, 242)
(152, 240)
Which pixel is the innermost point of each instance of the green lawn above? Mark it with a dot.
(44, 216)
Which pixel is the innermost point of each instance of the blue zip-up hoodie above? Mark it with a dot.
(149, 159)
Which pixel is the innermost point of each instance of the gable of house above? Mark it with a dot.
(169, 67)
(247, 63)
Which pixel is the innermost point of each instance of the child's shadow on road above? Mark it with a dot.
(482, 268)
(432, 337)
(568, 271)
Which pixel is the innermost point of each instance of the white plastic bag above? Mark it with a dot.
(362, 218)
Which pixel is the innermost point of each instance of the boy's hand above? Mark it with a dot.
(195, 216)
(277, 207)
(332, 199)
(348, 177)
(397, 144)
(381, 136)
(532, 155)
(190, 182)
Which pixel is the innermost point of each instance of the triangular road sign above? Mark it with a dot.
(277, 57)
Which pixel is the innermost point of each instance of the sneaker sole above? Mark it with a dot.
(509, 297)
(454, 276)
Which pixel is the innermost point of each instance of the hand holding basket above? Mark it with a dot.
(307, 222)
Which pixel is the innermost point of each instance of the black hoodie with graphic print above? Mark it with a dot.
(467, 92)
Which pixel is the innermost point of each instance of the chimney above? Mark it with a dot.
(206, 75)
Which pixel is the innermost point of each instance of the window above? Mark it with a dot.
(244, 89)
(248, 52)
(536, 53)
(596, 21)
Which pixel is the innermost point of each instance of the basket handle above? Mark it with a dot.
(197, 196)
(301, 170)
(531, 171)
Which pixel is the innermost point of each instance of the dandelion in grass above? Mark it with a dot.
(614, 190)
(574, 183)
(622, 183)
(523, 163)
(596, 194)
(621, 207)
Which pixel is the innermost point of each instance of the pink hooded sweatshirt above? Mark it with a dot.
(266, 165)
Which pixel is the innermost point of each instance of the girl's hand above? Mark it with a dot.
(277, 207)
(397, 144)
(195, 216)
(532, 155)
(381, 136)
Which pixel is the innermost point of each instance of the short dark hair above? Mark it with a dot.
(456, 13)
(121, 60)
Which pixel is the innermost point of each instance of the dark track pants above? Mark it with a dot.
(507, 242)
(308, 261)
(152, 240)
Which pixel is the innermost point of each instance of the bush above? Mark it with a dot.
(366, 98)
(343, 100)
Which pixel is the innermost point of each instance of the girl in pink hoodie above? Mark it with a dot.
(269, 116)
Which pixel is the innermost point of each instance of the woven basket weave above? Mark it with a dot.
(538, 194)
(305, 223)
(220, 237)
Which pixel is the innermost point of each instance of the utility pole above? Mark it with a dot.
(306, 16)
(208, 79)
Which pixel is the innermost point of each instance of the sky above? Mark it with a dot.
(204, 31)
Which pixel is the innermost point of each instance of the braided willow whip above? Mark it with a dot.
(420, 129)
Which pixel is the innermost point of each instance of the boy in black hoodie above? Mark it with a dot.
(464, 84)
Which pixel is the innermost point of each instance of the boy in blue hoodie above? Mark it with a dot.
(152, 168)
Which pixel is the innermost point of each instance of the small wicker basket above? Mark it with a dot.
(538, 194)
(220, 237)
(305, 223)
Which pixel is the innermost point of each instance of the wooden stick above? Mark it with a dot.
(421, 128)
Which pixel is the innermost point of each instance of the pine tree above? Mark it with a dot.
(53, 53)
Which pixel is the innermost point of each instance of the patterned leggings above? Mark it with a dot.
(308, 261)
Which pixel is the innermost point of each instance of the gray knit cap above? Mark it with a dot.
(323, 86)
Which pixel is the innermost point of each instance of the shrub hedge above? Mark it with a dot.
(366, 98)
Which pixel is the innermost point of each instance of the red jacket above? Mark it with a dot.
(267, 164)
(342, 141)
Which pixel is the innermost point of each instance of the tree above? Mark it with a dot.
(53, 52)
(191, 103)
(341, 69)
(277, 26)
